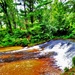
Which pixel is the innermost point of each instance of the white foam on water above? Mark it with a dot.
(61, 60)
(27, 48)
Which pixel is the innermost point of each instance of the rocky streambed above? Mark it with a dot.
(27, 61)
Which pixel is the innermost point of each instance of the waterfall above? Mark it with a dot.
(64, 49)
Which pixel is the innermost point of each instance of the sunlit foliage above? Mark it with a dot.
(35, 21)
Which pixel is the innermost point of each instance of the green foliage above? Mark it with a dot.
(25, 42)
(8, 40)
(41, 20)
(17, 38)
(17, 33)
(66, 69)
(73, 61)
(71, 71)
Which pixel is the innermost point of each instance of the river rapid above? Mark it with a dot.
(53, 56)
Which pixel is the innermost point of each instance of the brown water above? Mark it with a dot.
(27, 63)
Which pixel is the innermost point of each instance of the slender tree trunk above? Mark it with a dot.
(25, 15)
(25, 8)
(13, 19)
(14, 24)
(4, 7)
(1, 25)
(9, 23)
(31, 10)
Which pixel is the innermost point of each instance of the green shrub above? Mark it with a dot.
(25, 42)
(2, 34)
(18, 41)
(17, 33)
(8, 40)
(66, 69)
(73, 61)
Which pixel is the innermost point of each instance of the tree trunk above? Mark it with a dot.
(14, 24)
(25, 15)
(31, 10)
(4, 7)
(1, 25)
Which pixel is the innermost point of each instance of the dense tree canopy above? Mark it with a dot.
(27, 22)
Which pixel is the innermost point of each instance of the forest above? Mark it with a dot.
(32, 22)
(27, 23)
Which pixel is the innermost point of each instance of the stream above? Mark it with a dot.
(64, 52)
(51, 59)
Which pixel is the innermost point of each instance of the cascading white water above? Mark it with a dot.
(65, 52)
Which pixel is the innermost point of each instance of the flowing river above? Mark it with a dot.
(55, 53)
(64, 52)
